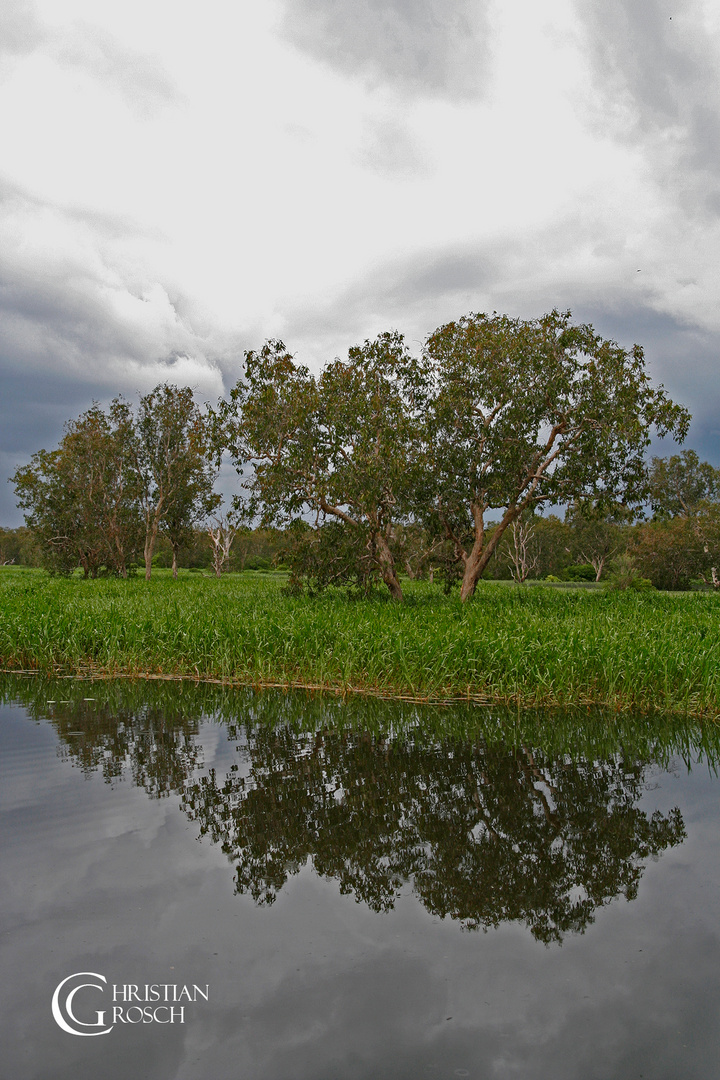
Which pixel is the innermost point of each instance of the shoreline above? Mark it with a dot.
(517, 647)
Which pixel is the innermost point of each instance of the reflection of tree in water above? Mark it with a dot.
(114, 730)
(160, 751)
(485, 834)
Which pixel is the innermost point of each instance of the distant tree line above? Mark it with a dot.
(441, 464)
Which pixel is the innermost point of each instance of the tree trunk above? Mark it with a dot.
(150, 538)
(174, 562)
(481, 553)
(475, 563)
(387, 567)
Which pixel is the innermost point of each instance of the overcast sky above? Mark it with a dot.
(180, 182)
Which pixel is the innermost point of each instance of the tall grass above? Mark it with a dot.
(526, 646)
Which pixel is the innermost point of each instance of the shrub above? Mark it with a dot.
(580, 572)
(624, 574)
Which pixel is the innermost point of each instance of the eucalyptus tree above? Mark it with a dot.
(173, 459)
(595, 538)
(682, 485)
(80, 500)
(339, 449)
(190, 506)
(528, 412)
(685, 532)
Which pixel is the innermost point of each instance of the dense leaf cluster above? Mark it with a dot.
(386, 451)
(116, 480)
(439, 464)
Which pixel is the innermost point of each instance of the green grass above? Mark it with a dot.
(525, 646)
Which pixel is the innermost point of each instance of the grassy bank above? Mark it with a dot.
(526, 646)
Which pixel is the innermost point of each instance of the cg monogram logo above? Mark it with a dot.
(132, 1003)
(63, 1002)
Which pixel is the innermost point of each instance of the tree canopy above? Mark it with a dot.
(81, 499)
(338, 449)
(437, 463)
(497, 415)
(117, 478)
(528, 412)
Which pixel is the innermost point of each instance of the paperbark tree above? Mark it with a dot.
(173, 459)
(528, 412)
(338, 448)
(521, 549)
(80, 499)
(683, 487)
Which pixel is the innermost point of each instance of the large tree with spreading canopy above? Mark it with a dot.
(339, 451)
(533, 412)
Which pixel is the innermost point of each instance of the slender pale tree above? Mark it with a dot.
(174, 461)
(522, 551)
(222, 529)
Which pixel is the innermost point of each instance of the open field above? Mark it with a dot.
(526, 646)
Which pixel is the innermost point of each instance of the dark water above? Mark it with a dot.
(359, 889)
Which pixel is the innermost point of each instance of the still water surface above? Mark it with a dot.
(360, 889)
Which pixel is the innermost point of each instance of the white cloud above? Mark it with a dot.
(182, 183)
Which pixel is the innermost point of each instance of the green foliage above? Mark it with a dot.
(81, 500)
(18, 547)
(681, 485)
(330, 555)
(528, 646)
(534, 411)
(683, 541)
(673, 552)
(115, 476)
(579, 572)
(340, 448)
(624, 574)
(499, 413)
(172, 454)
(388, 463)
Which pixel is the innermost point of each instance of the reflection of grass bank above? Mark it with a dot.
(87, 712)
(526, 646)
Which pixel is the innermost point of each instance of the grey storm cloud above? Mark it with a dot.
(70, 323)
(657, 74)
(683, 357)
(436, 48)
(75, 328)
(426, 289)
